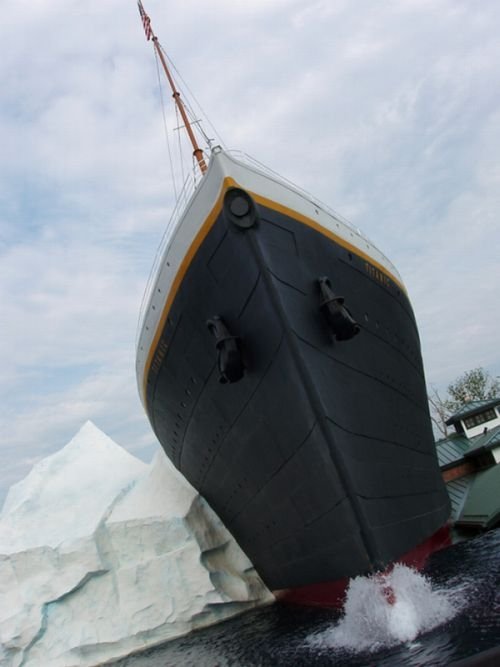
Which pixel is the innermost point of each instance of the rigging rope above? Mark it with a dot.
(195, 123)
(178, 126)
(172, 172)
(193, 97)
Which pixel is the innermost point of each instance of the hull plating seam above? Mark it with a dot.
(320, 460)
(316, 405)
(205, 229)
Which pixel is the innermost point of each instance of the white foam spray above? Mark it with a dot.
(384, 610)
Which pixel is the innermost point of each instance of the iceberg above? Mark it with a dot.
(102, 555)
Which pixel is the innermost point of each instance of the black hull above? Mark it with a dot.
(321, 459)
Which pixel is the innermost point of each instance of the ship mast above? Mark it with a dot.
(197, 152)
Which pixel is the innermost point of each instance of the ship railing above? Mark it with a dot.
(181, 202)
(258, 166)
(185, 195)
(251, 161)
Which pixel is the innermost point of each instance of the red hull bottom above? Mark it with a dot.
(332, 593)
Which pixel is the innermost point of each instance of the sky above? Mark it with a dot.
(387, 111)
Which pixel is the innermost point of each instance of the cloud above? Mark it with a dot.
(385, 111)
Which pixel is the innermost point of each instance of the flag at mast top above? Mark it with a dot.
(146, 21)
(197, 152)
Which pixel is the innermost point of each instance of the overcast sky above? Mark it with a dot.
(388, 111)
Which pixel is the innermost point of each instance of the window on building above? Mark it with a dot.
(482, 417)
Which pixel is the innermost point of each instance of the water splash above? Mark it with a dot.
(384, 610)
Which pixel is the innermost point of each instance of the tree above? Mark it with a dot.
(439, 413)
(474, 385)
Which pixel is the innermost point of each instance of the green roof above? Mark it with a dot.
(482, 507)
(452, 448)
(457, 446)
(457, 491)
(488, 440)
(472, 408)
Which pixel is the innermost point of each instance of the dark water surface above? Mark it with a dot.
(288, 636)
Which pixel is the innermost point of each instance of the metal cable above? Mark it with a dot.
(178, 126)
(203, 112)
(195, 100)
(172, 172)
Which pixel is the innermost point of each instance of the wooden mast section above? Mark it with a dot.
(197, 152)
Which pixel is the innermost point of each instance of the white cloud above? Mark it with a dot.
(386, 111)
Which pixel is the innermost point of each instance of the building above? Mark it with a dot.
(469, 461)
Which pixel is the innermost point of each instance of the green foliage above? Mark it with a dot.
(474, 385)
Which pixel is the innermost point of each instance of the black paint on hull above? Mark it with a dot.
(321, 459)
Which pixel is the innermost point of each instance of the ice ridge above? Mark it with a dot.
(97, 565)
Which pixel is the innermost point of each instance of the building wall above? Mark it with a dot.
(477, 430)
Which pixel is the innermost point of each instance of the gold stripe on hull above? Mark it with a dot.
(203, 233)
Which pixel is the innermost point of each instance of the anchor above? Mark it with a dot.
(229, 359)
(340, 321)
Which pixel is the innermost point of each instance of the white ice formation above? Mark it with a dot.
(102, 555)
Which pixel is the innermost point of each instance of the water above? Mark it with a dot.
(384, 611)
(445, 617)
